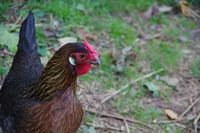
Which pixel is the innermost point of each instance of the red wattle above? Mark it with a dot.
(83, 69)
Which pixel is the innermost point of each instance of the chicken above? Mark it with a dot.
(43, 100)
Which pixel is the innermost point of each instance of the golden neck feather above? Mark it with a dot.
(57, 77)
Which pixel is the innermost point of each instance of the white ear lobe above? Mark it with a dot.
(72, 61)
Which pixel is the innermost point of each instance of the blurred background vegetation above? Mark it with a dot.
(134, 37)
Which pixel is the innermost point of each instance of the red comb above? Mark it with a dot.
(89, 48)
(88, 45)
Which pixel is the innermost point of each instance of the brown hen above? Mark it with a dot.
(37, 100)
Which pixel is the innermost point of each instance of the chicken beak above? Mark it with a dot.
(95, 62)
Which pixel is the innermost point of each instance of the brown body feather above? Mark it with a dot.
(62, 114)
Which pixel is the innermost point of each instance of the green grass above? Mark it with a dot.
(172, 129)
(3, 70)
(195, 68)
(5, 64)
(132, 105)
(162, 55)
(97, 16)
(3, 8)
(121, 32)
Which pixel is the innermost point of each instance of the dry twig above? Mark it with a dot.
(106, 127)
(196, 123)
(119, 117)
(175, 122)
(153, 37)
(127, 85)
(15, 24)
(188, 109)
(127, 128)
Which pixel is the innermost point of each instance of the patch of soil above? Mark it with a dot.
(186, 91)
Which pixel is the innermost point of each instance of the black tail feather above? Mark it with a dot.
(27, 41)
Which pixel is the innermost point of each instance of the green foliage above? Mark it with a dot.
(195, 68)
(160, 19)
(43, 51)
(172, 129)
(8, 39)
(87, 129)
(4, 5)
(152, 87)
(121, 32)
(162, 55)
(3, 66)
(3, 70)
(195, 2)
(131, 102)
(146, 114)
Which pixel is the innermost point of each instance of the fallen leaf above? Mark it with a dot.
(126, 50)
(184, 7)
(164, 9)
(155, 121)
(152, 11)
(153, 88)
(155, 9)
(43, 51)
(183, 38)
(171, 114)
(8, 39)
(44, 60)
(170, 80)
(91, 130)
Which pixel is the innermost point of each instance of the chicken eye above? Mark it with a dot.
(82, 56)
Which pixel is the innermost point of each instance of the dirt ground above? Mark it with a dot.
(184, 101)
